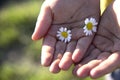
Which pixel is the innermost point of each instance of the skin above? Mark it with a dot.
(104, 55)
(70, 14)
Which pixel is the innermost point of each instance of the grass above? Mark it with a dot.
(27, 70)
(16, 19)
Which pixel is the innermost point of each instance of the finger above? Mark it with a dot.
(90, 49)
(103, 56)
(82, 46)
(92, 55)
(47, 50)
(84, 70)
(66, 60)
(107, 66)
(77, 66)
(87, 64)
(60, 49)
(43, 23)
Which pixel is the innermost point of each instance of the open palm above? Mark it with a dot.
(67, 14)
(105, 55)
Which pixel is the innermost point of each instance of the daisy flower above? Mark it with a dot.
(64, 35)
(90, 26)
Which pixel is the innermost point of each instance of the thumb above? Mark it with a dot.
(43, 22)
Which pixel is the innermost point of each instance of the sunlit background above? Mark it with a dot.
(19, 55)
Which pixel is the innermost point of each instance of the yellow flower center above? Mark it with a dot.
(64, 34)
(89, 26)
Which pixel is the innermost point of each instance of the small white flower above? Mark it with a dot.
(90, 26)
(64, 35)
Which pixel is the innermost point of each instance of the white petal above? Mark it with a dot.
(65, 29)
(93, 21)
(68, 40)
(58, 35)
(89, 32)
(70, 35)
(86, 21)
(62, 39)
(94, 29)
(69, 31)
(58, 32)
(84, 27)
(61, 29)
(85, 30)
(65, 40)
(86, 33)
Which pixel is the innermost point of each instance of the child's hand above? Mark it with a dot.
(70, 14)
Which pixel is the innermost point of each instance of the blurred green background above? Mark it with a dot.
(19, 55)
